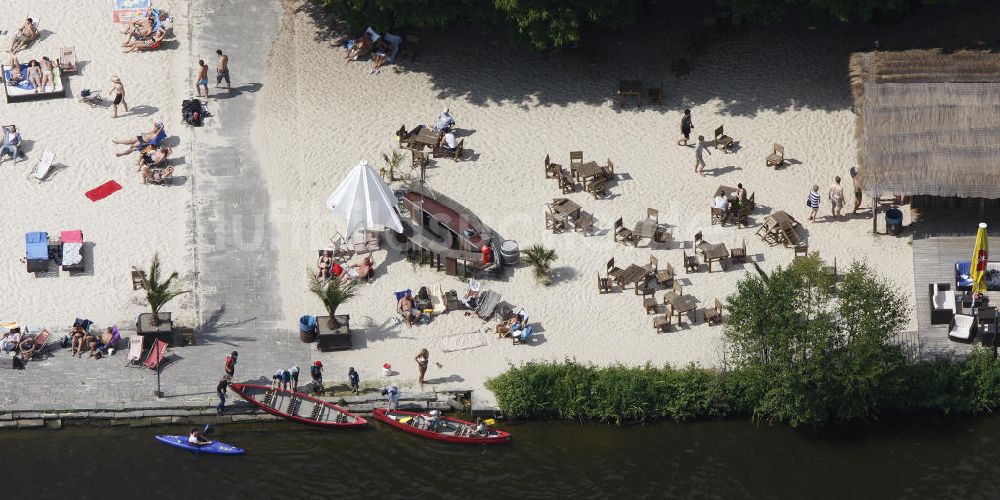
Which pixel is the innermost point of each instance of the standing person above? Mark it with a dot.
(316, 372)
(836, 195)
(277, 378)
(393, 393)
(221, 391)
(230, 366)
(202, 80)
(813, 202)
(686, 127)
(857, 189)
(222, 70)
(294, 372)
(118, 92)
(355, 380)
(423, 357)
(699, 160)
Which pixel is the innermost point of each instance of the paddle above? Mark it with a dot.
(204, 432)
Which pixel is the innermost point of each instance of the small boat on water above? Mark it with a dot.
(213, 448)
(298, 407)
(451, 430)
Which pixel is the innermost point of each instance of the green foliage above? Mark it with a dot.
(540, 258)
(158, 290)
(332, 293)
(393, 161)
(770, 11)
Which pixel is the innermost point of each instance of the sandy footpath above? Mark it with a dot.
(324, 115)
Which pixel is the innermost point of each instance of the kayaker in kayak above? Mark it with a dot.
(197, 438)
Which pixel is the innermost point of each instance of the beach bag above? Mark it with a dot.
(191, 112)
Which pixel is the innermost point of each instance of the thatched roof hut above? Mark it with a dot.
(928, 122)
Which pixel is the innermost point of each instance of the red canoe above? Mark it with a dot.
(451, 430)
(298, 407)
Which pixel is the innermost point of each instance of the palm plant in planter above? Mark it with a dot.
(540, 258)
(158, 290)
(332, 293)
(393, 161)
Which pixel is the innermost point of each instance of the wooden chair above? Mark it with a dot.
(653, 215)
(649, 304)
(698, 240)
(552, 170)
(603, 284)
(615, 272)
(596, 186)
(676, 291)
(67, 60)
(553, 222)
(739, 253)
(723, 141)
(662, 235)
(690, 262)
(608, 171)
(575, 159)
(801, 250)
(664, 322)
(653, 265)
(713, 314)
(584, 223)
(665, 277)
(656, 94)
(742, 216)
(566, 182)
(777, 157)
(718, 216)
(137, 280)
(622, 233)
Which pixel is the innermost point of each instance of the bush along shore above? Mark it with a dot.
(804, 347)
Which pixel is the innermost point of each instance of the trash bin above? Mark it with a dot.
(510, 254)
(307, 329)
(894, 221)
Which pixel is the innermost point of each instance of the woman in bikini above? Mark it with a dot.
(47, 74)
(35, 74)
(325, 261)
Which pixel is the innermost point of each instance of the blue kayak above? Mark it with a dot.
(214, 448)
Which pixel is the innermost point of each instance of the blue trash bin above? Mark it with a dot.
(894, 221)
(307, 328)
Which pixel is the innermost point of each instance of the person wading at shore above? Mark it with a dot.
(202, 80)
(221, 391)
(222, 70)
(686, 127)
(699, 160)
(118, 92)
(230, 366)
(316, 372)
(423, 357)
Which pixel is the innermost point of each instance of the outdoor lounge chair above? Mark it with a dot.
(488, 301)
(713, 314)
(67, 60)
(33, 346)
(137, 280)
(134, 351)
(43, 167)
(962, 327)
(37, 251)
(776, 158)
(723, 141)
(438, 304)
(942, 303)
(72, 246)
(552, 170)
(156, 355)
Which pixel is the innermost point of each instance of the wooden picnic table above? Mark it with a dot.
(683, 304)
(630, 88)
(783, 227)
(645, 228)
(715, 252)
(586, 170)
(566, 207)
(425, 136)
(634, 274)
(729, 190)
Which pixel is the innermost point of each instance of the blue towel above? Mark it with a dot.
(37, 245)
(962, 270)
(399, 295)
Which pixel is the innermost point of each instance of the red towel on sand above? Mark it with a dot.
(103, 191)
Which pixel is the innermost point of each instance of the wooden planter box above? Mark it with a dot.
(337, 339)
(164, 331)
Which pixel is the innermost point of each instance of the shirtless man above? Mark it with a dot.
(836, 197)
(118, 92)
(222, 70)
(136, 142)
(142, 28)
(202, 80)
(23, 36)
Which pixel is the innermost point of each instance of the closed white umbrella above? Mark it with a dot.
(364, 201)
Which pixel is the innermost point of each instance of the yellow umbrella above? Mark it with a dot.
(979, 256)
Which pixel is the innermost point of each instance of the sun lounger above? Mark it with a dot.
(43, 167)
(134, 351)
(156, 355)
(395, 41)
(438, 304)
(37, 251)
(33, 346)
(488, 301)
(67, 59)
(72, 246)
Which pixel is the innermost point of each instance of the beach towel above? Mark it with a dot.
(103, 191)
(72, 243)
(130, 10)
(461, 341)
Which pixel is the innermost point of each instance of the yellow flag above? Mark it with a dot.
(977, 271)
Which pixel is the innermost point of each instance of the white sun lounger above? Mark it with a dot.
(134, 357)
(43, 167)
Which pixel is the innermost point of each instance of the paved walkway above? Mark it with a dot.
(237, 293)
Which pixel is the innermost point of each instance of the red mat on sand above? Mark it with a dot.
(103, 191)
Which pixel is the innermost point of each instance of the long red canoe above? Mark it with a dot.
(298, 407)
(449, 429)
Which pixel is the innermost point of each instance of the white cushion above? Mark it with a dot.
(962, 327)
(944, 299)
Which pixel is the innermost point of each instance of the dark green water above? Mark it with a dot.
(910, 458)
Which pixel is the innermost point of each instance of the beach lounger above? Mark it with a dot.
(43, 167)
(134, 351)
(33, 346)
(37, 251)
(394, 41)
(488, 301)
(156, 355)
(72, 254)
(67, 59)
(438, 304)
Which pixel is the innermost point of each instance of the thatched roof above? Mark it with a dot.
(929, 122)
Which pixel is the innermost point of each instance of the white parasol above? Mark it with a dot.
(364, 201)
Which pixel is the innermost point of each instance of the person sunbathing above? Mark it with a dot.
(149, 43)
(380, 54)
(35, 74)
(363, 272)
(15, 71)
(78, 340)
(407, 309)
(153, 158)
(513, 324)
(362, 46)
(323, 266)
(48, 77)
(140, 29)
(156, 174)
(151, 138)
(10, 340)
(23, 36)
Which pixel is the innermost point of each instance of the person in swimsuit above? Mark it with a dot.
(47, 75)
(78, 337)
(140, 140)
(15, 71)
(35, 74)
(380, 54)
(686, 127)
(325, 260)
(154, 159)
(222, 70)
(140, 29)
(118, 91)
(150, 43)
(24, 35)
(202, 80)
(422, 359)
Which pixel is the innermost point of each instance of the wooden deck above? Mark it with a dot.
(941, 238)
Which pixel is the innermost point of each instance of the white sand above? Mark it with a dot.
(341, 114)
(122, 230)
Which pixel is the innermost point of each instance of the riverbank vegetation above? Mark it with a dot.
(801, 348)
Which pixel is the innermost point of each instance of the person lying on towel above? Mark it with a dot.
(150, 43)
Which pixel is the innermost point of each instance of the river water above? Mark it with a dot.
(916, 457)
